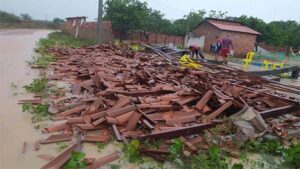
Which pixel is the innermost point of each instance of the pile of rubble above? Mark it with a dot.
(133, 95)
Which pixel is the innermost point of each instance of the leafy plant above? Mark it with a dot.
(264, 146)
(132, 151)
(76, 161)
(292, 156)
(175, 149)
(238, 166)
(36, 86)
(42, 60)
(100, 146)
(61, 146)
(153, 143)
(211, 159)
(114, 166)
(39, 112)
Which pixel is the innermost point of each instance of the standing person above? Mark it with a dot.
(218, 47)
(196, 50)
(227, 46)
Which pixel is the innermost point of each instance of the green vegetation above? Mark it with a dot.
(263, 146)
(61, 39)
(100, 146)
(61, 146)
(25, 16)
(114, 166)
(238, 166)
(134, 15)
(76, 161)
(38, 85)
(10, 20)
(42, 60)
(175, 149)
(292, 156)
(39, 112)
(277, 33)
(131, 151)
(211, 159)
(6, 17)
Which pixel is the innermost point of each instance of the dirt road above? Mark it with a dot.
(16, 47)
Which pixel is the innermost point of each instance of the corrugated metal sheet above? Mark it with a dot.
(232, 26)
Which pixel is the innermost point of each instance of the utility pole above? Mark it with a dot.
(99, 22)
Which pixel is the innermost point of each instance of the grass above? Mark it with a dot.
(39, 112)
(100, 146)
(61, 146)
(175, 149)
(76, 161)
(38, 85)
(43, 59)
(62, 39)
(263, 146)
(211, 159)
(131, 151)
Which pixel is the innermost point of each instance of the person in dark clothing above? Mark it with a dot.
(195, 50)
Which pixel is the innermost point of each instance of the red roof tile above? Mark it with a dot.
(231, 26)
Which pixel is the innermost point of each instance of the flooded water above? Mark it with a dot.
(16, 47)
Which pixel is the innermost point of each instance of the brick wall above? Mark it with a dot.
(157, 38)
(242, 42)
(87, 30)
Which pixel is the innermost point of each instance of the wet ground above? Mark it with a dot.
(16, 47)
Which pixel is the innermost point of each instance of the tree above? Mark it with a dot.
(126, 15)
(194, 18)
(6, 17)
(217, 14)
(153, 23)
(58, 21)
(25, 16)
(256, 24)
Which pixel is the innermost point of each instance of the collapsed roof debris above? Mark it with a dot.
(134, 95)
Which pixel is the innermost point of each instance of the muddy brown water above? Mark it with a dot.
(16, 47)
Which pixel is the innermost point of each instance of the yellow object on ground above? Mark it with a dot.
(185, 62)
(266, 64)
(275, 65)
(249, 58)
(136, 48)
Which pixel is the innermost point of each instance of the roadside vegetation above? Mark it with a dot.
(39, 112)
(10, 20)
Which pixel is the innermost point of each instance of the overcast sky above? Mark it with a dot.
(268, 10)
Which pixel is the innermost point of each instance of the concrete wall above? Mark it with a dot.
(191, 39)
(242, 42)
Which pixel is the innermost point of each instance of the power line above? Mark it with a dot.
(170, 7)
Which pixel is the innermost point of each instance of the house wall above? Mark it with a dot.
(242, 42)
(209, 32)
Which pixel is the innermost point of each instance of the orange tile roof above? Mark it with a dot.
(231, 26)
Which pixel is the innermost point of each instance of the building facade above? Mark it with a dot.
(243, 37)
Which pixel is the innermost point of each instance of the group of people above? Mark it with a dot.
(222, 48)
